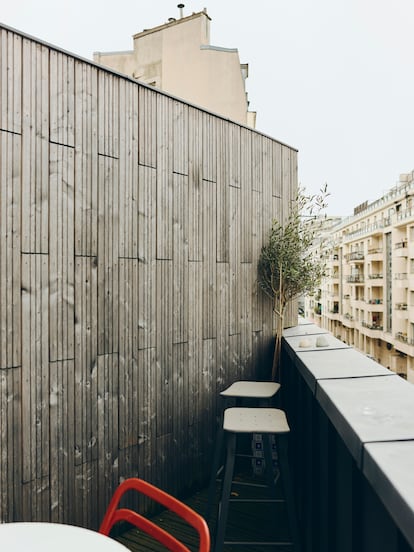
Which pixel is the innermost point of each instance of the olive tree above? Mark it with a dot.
(290, 264)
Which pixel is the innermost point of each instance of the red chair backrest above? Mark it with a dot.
(114, 514)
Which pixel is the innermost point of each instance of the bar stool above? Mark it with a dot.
(261, 393)
(268, 421)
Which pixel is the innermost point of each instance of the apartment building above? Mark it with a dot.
(177, 57)
(367, 297)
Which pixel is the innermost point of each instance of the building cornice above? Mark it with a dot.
(171, 23)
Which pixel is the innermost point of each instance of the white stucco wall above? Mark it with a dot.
(177, 58)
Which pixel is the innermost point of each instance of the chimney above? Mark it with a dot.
(181, 8)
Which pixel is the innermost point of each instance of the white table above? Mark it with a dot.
(54, 537)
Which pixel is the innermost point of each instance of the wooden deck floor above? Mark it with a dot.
(247, 522)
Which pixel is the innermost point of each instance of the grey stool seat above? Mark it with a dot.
(270, 422)
(255, 420)
(251, 390)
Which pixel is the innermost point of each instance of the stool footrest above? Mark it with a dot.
(259, 543)
(258, 500)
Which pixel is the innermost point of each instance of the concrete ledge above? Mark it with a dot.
(389, 469)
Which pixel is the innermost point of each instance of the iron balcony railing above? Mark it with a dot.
(355, 279)
(372, 325)
(369, 229)
(354, 256)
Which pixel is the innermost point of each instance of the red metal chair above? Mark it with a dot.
(114, 514)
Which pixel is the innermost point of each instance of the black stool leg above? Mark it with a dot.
(282, 450)
(267, 448)
(215, 467)
(225, 495)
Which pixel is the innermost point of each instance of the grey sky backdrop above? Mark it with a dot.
(333, 78)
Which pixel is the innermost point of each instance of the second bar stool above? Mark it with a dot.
(260, 393)
(268, 421)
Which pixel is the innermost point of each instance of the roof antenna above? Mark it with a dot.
(180, 7)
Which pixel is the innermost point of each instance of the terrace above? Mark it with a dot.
(352, 448)
(131, 224)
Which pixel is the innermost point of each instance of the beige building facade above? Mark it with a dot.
(177, 57)
(367, 298)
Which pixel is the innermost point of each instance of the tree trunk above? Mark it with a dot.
(278, 345)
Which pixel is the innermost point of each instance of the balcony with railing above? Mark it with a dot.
(348, 320)
(405, 214)
(376, 228)
(376, 276)
(351, 451)
(375, 305)
(401, 248)
(355, 256)
(401, 336)
(374, 251)
(372, 325)
(355, 279)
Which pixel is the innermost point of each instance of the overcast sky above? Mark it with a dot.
(333, 78)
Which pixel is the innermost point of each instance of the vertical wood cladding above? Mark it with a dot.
(130, 228)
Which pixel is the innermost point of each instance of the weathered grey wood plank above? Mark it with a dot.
(234, 259)
(180, 303)
(278, 189)
(195, 186)
(234, 156)
(62, 98)
(108, 428)
(62, 469)
(61, 254)
(209, 147)
(209, 259)
(35, 366)
(86, 351)
(195, 334)
(108, 221)
(257, 165)
(35, 148)
(10, 232)
(10, 81)
(223, 326)
(164, 364)
(86, 159)
(223, 238)
(147, 240)
(128, 352)
(257, 232)
(165, 190)
(11, 436)
(147, 127)
(180, 138)
(181, 405)
(246, 196)
(128, 170)
(108, 114)
(246, 293)
(146, 410)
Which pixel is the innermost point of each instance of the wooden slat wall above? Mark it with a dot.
(130, 229)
